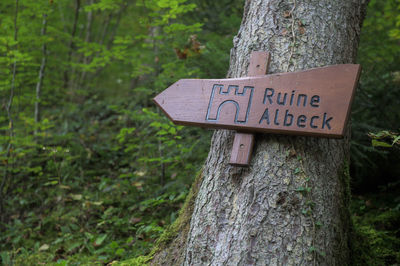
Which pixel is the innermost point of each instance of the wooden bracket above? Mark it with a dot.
(244, 142)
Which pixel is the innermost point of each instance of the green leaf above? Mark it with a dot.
(100, 239)
(51, 183)
(377, 143)
(76, 196)
(129, 240)
(61, 263)
(88, 235)
(73, 246)
(396, 140)
(5, 258)
(44, 247)
(119, 252)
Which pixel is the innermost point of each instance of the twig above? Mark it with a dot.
(293, 35)
(86, 59)
(41, 75)
(71, 43)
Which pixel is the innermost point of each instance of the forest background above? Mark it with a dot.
(91, 171)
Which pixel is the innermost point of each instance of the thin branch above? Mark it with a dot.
(105, 28)
(71, 42)
(293, 35)
(154, 34)
(115, 27)
(89, 23)
(41, 74)
(60, 9)
(123, 7)
(87, 59)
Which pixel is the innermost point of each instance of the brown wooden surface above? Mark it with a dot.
(242, 149)
(250, 104)
(243, 142)
(259, 62)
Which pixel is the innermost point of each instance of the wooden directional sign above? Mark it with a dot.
(314, 102)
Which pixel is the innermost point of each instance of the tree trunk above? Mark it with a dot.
(290, 207)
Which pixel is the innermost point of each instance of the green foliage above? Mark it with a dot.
(101, 173)
(378, 97)
(385, 139)
(376, 228)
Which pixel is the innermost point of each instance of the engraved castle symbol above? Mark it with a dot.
(240, 99)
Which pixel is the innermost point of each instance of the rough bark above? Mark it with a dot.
(290, 207)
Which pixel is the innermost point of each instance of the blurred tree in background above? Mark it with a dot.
(91, 171)
(377, 102)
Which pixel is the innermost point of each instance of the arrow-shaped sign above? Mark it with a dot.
(314, 102)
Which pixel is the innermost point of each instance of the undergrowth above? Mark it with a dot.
(376, 227)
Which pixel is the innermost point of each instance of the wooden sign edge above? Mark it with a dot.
(255, 130)
(269, 75)
(353, 93)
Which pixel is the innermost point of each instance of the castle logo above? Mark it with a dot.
(232, 95)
